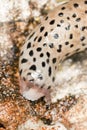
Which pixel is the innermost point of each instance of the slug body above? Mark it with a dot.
(62, 33)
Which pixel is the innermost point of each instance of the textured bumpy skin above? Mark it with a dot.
(62, 33)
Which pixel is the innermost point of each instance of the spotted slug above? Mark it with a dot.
(62, 33)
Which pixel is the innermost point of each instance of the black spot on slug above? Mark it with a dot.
(60, 14)
(75, 5)
(67, 43)
(49, 71)
(40, 38)
(76, 26)
(41, 55)
(83, 28)
(68, 18)
(48, 54)
(49, 87)
(44, 44)
(24, 60)
(51, 45)
(51, 29)
(28, 73)
(78, 19)
(61, 21)
(85, 11)
(29, 45)
(31, 53)
(71, 45)
(74, 15)
(83, 44)
(52, 22)
(63, 8)
(53, 79)
(34, 59)
(59, 48)
(39, 49)
(33, 67)
(82, 38)
(54, 60)
(47, 61)
(85, 1)
(46, 18)
(58, 25)
(45, 34)
(42, 28)
(35, 38)
(43, 64)
(71, 36)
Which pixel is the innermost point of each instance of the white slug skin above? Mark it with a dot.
(62, 33)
